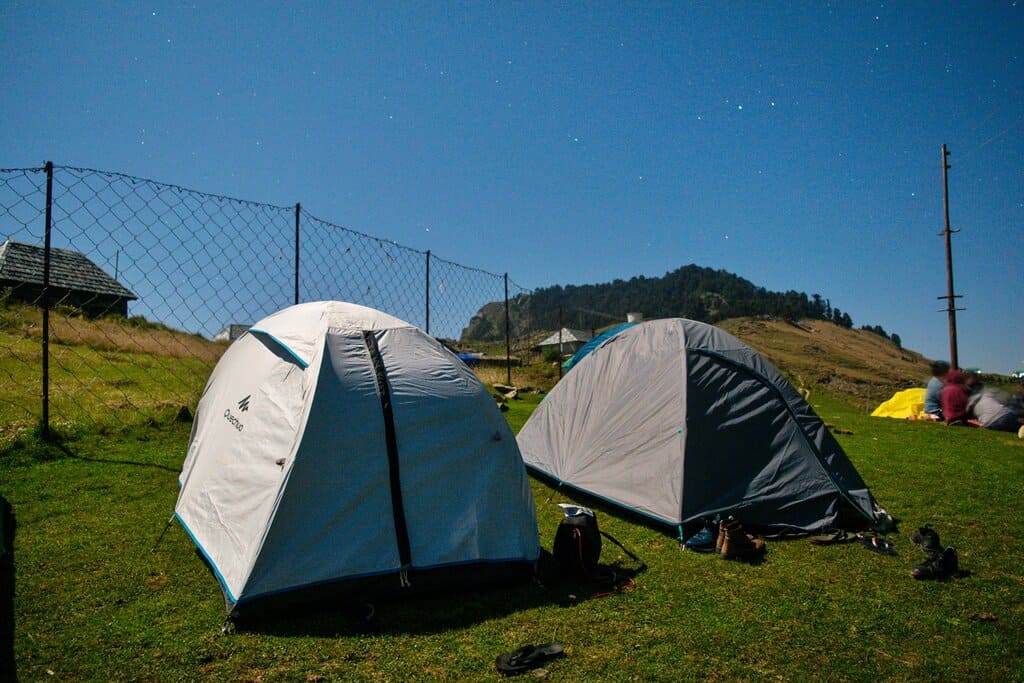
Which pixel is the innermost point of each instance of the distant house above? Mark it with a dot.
(571, 341)
(231, 332)
(74, 280)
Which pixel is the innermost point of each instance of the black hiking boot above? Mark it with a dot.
(938, 566)
(928, 539)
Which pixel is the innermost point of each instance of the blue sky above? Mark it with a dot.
(795, 144)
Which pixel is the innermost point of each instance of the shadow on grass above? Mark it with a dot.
(37, 448)
(114, 461)
(441, 611)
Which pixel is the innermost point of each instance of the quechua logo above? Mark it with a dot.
(243, 406)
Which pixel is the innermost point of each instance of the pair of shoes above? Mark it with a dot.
(702, 542)
(526, 658)
(927, 538)
(940, 562)
(940, 565)
(736, 544)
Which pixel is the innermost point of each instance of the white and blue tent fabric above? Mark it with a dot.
(337, 448)
(679, 421)
(593, 344)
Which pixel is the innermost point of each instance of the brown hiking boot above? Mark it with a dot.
(723, 528)
(739, 545)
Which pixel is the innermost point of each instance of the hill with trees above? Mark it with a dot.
(688, 292)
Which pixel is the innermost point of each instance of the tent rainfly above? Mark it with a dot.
(338, 451)
(679, 421)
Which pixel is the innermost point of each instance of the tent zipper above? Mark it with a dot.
(391, 439)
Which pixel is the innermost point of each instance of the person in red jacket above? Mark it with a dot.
(954, 399)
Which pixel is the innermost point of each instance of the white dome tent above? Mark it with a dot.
(338, 450)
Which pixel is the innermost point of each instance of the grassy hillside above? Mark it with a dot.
(859, 365)
(863, 367)
(109, 373)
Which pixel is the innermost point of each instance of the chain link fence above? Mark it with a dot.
(118, 294)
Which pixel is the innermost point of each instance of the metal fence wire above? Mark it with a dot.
(119, 294)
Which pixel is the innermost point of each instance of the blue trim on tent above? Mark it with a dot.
(280, 343)
(594, 343)
(216, 572)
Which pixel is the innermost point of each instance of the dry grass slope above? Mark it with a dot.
(857, 364)
(108, 371)
(111, 335)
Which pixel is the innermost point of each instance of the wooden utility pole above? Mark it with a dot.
(950, 297)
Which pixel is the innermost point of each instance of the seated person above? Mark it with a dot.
(984, 405)
(1017, 400)
(954, 399)
(933, 390)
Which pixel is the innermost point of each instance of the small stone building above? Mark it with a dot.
(571, 341)
(74, 280)
(231, 332)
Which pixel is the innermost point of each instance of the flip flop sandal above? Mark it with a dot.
(838, 536)
(878, 544)
(527, 657)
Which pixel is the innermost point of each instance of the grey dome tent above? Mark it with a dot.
(677, 420)
(339, 450)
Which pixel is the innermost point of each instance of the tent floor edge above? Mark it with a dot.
(346, 595)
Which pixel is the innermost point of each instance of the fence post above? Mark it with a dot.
(298, 212)
(428, 291)
(508, 339)
(46, 300)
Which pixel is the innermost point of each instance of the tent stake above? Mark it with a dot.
(161, 536)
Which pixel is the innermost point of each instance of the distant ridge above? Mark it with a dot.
(688, 292)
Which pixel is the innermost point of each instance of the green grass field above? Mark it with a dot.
(94, 603)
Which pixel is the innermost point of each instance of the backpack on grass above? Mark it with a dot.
(577, 546)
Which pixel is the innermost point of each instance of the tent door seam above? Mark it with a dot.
(391, 439)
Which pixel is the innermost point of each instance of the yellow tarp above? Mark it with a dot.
(907, 405)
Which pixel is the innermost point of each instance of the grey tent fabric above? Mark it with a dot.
(678, 420)
(335, 443)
